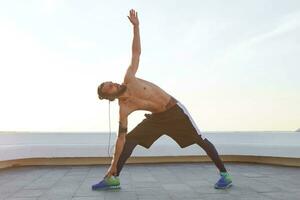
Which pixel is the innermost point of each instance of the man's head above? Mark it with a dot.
(110, 91)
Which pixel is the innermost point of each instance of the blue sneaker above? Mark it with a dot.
(224, 182)
(107, 183)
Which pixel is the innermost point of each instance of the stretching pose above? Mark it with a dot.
(168, 116)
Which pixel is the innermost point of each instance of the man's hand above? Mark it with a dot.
(133, 17)
(112, 171)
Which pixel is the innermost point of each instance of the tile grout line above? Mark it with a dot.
(21, 188)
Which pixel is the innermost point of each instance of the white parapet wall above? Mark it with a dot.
(20, 145)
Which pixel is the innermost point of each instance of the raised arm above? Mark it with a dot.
(136, 46)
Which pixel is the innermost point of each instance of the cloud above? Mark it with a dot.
(287, 24)
(244, 50)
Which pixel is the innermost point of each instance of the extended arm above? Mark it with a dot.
(119, 143)
(136, 46)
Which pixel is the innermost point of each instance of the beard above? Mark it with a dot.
(120, 91)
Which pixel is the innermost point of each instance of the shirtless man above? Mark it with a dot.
(168, 117)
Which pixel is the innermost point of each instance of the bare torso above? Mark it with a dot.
(144, 95)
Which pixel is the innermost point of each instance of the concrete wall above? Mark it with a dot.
(15, 148)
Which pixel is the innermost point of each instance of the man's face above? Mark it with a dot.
(110, 88)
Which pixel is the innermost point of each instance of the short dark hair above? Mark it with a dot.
(103, 95)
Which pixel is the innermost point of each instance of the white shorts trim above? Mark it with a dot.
(191, 119)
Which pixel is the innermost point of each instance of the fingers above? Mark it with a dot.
(108, 175)
(133, 17)
(132, 13)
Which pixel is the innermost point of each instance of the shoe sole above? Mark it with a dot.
(226, 187)
(117, 187)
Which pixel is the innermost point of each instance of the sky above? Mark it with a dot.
(235, 65)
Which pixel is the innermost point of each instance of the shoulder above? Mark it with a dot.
(129, 76)
(124, 109)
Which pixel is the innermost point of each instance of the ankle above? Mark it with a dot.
(224, 173)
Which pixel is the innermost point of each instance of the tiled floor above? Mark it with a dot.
(151, 182)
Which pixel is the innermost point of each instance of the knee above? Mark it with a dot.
(130, 144)
(200, 141)
(204, 143)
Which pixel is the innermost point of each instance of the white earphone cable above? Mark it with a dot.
(109, 124)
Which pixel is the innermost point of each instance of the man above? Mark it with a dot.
(168, 117)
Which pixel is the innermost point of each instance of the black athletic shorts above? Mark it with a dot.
(174, 122)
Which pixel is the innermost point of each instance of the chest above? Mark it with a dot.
(140, 90)
(133, 103)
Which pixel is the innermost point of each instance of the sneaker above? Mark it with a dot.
(224, 182)
(107, 183)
